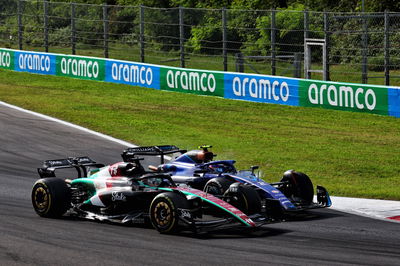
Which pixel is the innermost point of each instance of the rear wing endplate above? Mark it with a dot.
(79, 163)
(161, 150)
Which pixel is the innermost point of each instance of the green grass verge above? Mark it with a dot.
(352, 154)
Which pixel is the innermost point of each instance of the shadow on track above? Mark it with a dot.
(226, 233)
(312, 215)
(235, 233)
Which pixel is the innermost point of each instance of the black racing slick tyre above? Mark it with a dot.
(51, 197)
(164, 211)
(243, 197)
(299, 188)
(217, 186)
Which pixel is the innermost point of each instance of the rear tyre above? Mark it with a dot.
(299, 188)
(164, 211)
(217, 186)
(51, 197)
(243, 197)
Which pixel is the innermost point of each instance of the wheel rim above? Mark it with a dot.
(162, 214)
(41, 199)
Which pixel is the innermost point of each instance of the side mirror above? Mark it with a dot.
(253, 168)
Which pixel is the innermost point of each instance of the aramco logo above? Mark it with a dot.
(5, 59)
(34, 62)
(193, 81)
(80, 67)
(132, 73)
(261, 89)
(345, 96)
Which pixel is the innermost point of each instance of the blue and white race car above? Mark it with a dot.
(243, 189)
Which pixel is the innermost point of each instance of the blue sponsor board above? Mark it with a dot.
(266, 89)
(40, 63)
(133, 74)
(394, 101)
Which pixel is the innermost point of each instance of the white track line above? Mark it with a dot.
(378, 209)
(125, 143)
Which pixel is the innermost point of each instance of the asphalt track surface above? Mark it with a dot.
(325, 237)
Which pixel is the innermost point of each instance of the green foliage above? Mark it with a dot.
(60, 37)
(208, 34)
(200, 35)
(289, 25)
(149, 3)
(290, 21)
(257, 4)
(201, 4)
(381, 6)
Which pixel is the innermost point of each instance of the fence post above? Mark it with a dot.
(224, 39)
(306, 30)
(46, 25)
(297, 65)
(105, 28)
(141, 32)
(325, 60)
(387, 45)
(273, 40)
(364, 63)
(239, 62)
(19, 24)
(73, 31)
(181, 37)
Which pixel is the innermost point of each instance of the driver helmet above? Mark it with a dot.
(200, 156)
(133, 170)
(205, 156)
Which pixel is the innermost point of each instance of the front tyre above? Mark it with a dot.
(164, 211)
(217, 186)
(243, 197)
(51, 197)
(299, 187)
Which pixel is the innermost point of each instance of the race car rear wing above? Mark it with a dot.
(79, 163)
(161, 150)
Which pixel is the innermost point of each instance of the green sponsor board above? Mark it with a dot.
(192, 81)
(81, 67)
(342, 96)
(6, 59)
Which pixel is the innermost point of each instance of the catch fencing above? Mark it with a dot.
(348, 47)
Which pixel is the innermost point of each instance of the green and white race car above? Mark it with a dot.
(125, 193)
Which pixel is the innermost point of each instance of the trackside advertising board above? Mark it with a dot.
(258, 88)
(80, 67)
(192, 81)
(32, 62)
(341, 96)
(133, 74)
(373, 99)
